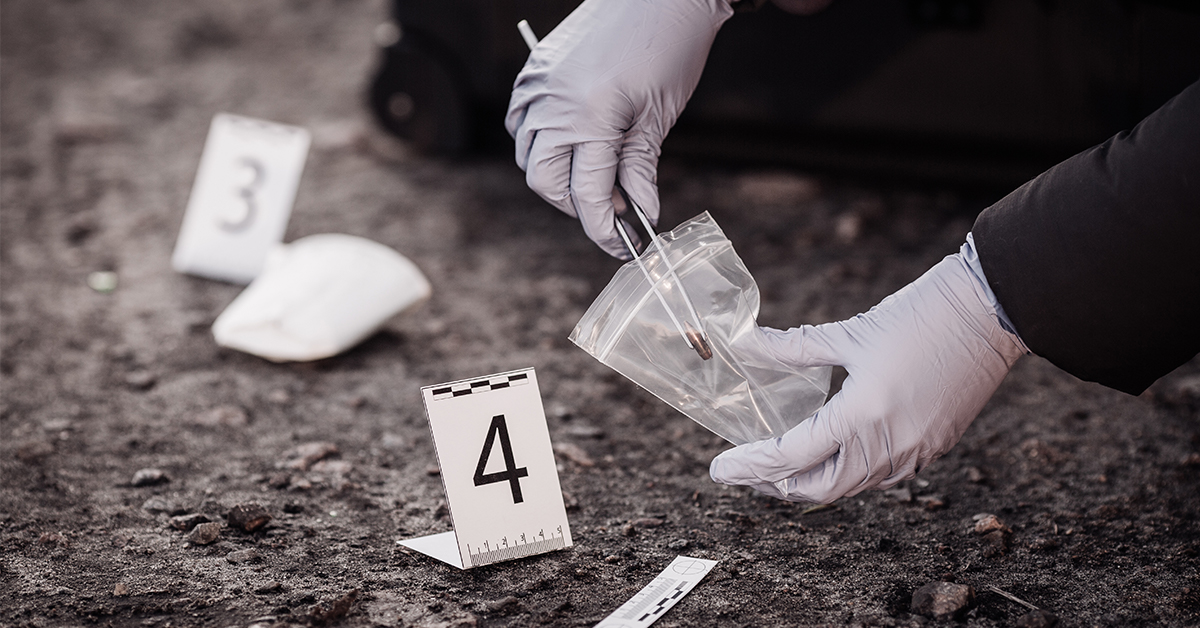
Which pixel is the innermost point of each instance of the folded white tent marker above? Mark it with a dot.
(497, 466)
(319, 296)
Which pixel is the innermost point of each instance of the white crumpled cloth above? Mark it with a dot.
(319, 296)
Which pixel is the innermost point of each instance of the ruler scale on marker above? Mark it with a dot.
(487, 557)
(663, 592)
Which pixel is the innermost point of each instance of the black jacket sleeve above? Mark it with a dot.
(1097, 260)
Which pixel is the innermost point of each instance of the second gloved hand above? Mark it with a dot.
(921, 366)
(598, 95)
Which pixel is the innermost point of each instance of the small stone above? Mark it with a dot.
(102, 281)
(744, 519)
(53, 538)
(272, 586)
(120, 590)
(198, 320)
(574, 453)
(558, 410)
(931, 502)
(1036, 449)
(326, 614)
(280, 480)
(678, 545)
(647, 522)
(158, 504)
(149, 477)
(975, 475)
(902, 495)
(508, 603)
(248, 517)
(33, 452)
(186, 522)
(943, 600)
(433, 470)
(205, 533)
(308, 454)
(58, 425)
(243, 556)
(75, 122)
(995, 543)
(612, 559)
(629, 530)
(1038, 619)
(332, 467)
(583, 430)
(141, 380)
(989, 523)
(222, 416)
(279, 396)
(1043, 544)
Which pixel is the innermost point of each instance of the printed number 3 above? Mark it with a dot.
(510, 474)
(249, 178)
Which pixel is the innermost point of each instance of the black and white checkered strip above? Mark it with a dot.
(480, 386)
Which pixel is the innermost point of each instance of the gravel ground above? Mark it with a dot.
(127, 436)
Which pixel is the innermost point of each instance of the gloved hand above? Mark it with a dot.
(921, 366)
(598, 95)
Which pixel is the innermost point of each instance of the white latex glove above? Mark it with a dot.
(598, 95)
(921, 366)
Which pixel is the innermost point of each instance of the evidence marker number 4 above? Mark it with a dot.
(498, 470)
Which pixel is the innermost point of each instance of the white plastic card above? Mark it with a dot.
(241, 199)
(498, 471)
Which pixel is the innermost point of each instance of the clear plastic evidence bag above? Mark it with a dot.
(679, 320)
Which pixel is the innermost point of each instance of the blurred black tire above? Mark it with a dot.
(417, 95)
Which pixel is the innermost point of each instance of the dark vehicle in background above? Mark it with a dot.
(971, 90)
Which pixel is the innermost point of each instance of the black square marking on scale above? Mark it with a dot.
(480, 386)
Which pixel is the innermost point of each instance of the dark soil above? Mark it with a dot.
(105, 109)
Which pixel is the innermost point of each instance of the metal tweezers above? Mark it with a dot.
(694, 336)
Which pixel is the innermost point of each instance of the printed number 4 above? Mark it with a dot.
(510, 474)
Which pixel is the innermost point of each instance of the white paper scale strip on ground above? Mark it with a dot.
(498, 470)
(649, 604)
